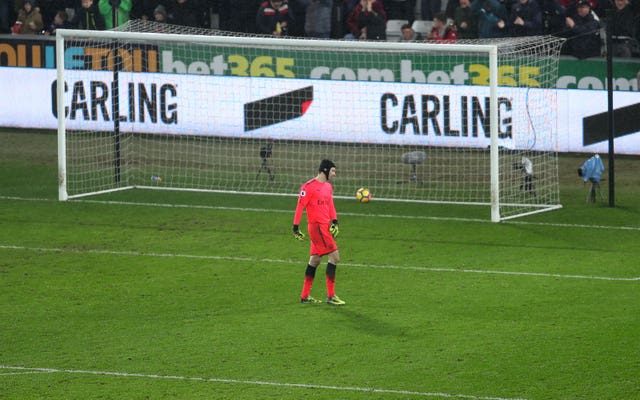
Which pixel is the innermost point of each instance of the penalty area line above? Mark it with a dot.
(254, 383)
(277, 261)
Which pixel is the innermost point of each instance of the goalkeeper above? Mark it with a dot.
(316, 196)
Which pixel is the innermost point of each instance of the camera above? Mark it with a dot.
(266, 151)
(592, 169)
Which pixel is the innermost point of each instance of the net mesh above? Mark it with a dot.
(257, 116)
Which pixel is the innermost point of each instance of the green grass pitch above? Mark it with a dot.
(164, 295)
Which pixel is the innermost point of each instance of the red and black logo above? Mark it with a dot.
(278, 108)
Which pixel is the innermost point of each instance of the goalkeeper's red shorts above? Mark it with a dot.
(322, 242)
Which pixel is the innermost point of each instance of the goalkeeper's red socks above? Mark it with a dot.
(331, 279)
(309, 276)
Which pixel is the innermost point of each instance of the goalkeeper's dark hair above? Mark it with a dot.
(325, 167)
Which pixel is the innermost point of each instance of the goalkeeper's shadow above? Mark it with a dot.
(363, 322)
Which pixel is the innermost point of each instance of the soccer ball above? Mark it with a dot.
(363, 195)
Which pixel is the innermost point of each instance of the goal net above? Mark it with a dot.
(156, 106)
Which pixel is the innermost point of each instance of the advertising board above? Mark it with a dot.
(391, 113)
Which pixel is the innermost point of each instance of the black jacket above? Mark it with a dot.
(89, 19)
(584, 39)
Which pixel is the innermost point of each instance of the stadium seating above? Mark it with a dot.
(422, 27)
(393, 29)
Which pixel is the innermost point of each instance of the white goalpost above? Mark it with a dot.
(158, 107)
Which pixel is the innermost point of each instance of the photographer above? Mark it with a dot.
(117, 10)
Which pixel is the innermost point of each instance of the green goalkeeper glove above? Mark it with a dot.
(333, 229)
(297, 234)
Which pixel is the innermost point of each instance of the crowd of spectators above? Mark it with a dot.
(45, 16)
(580, 21)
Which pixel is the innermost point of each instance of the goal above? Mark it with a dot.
(152, 106)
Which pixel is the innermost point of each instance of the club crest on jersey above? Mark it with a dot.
(303, 193)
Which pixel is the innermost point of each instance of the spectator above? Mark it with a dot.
(29, 20)
(274, 18)
(526, 18)
(337, 20)
(400, 9)
(183, 12)
(17, 6)
(237, 15)
(368, 21)
(450, 8)
(318, 19)
(429, 8)
(622, 29)
(341, 14)
(572, 5)
(409, 35)
(465, 21)
(4, 16)
(143, 9)
(597, 8)
(298, 10)
(442, 31)
(60, 20)
(567, 4)
(203, 12)
(160, 14)
(491, 15)
(48, 10)
(584, 32)
(553, 17)
(88, 17)
(114, 9)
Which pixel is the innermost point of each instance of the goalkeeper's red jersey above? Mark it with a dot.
(317, 198)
